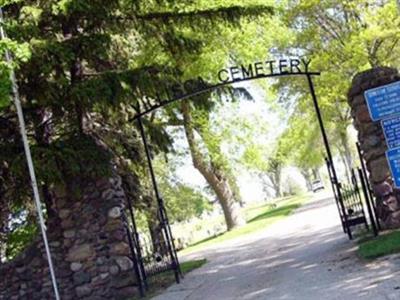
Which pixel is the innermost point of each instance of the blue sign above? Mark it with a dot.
(383, 101)
(391, 129)
(393, 157)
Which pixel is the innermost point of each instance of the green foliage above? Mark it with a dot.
(69, 87)
(84, 63)
(4, 88)
(267, 162)
(183, 202)
(19, 238)
(292, 188)
(200, 43)
(8, 2)
(261, 158)
(256, 157)
(20, 53)
(76, 157)
(301, 142)
(21, 231)
(342, 38)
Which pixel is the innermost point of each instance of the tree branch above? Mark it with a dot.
(227, 13)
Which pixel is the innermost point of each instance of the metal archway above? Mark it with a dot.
(148, 108)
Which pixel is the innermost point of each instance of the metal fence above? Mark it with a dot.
(152, 257)
(355, 200)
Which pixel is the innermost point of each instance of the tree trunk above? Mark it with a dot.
(346, 167)
(346, 151)
(43, 133)
(157, 236)
(277, 183)
(266, 184)
(236, 190)
(307, 176)
(217, 165)
(316, 174)
(213, 175)
(277, 187)
(275, 176)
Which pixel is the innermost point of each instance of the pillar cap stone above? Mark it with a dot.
(370, 78)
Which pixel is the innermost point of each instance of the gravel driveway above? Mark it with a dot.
(305, 256)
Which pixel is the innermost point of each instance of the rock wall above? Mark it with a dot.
(89, 247)
(373, 144)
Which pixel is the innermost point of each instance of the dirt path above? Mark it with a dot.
(303, 257)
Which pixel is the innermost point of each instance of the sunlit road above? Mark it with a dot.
(305, 256)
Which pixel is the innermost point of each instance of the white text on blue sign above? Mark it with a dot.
(384, 101)
(391, 129)
(393, 157)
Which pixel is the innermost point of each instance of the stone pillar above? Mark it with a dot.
(373, 144)
(89, 245)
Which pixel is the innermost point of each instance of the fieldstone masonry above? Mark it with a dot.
(373, 144)
(89, 246)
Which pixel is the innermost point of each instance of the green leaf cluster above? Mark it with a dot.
(342, 38)
(82, 67)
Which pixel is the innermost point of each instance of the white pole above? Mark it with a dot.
(29, 160)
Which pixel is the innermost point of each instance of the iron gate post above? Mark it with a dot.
(368, 192)
(161, 207)
(359, 198)
(135, 258)
(136, 245)
(368, 201)
(328, 151)
(335, 194)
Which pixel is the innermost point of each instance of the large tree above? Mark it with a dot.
(90, 62)
(301, 143)
(203, 53)
(342, 38)
(212, 167)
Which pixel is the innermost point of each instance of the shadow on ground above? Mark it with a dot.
(306, 256)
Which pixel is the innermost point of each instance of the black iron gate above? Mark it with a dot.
(148, 260)
(353, 197)
(148, 266)
(151, 259)
(159, 256)
(367, 187)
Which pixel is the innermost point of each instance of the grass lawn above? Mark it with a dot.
(384, 244)
(257, 217)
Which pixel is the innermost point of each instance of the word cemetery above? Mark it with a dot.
(261, 69)
(193, 87)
